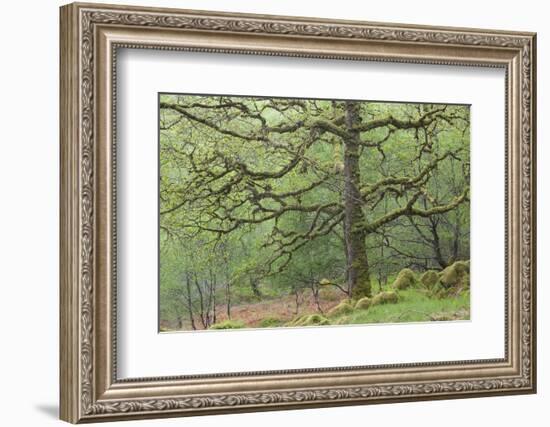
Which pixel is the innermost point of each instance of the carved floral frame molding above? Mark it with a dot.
(90, 36)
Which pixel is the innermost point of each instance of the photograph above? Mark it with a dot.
(264, 210)
(296, 212)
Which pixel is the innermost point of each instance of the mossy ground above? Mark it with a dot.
(414, 304)
(228, 324)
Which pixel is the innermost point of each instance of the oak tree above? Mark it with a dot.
(294, 171)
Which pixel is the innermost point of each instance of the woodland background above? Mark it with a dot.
(274, 209)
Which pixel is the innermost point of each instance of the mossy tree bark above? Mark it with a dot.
(354, 231)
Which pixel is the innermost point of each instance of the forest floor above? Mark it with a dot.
(413, 305)
(282, 308)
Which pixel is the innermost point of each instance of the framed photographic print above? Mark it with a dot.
(265, 212)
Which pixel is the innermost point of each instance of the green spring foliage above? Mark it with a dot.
(253, 207)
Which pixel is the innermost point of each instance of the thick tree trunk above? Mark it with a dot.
(354, 232)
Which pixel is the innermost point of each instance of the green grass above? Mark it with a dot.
(413, 306)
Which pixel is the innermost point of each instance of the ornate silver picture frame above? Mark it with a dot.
(91, 37)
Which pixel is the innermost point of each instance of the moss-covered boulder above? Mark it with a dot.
(463, 265)
(405, 279)
(343, 308)
(388, 297)
(438, 291)
(466, 280)
(228, 324)
(343, 320)
(455, 274)
(270, 322)
(429, 278)
(316, 319)
(311, 320)
(363, 303)
(296, 320)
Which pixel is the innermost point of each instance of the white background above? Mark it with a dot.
(145, 353)
(29, 171)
